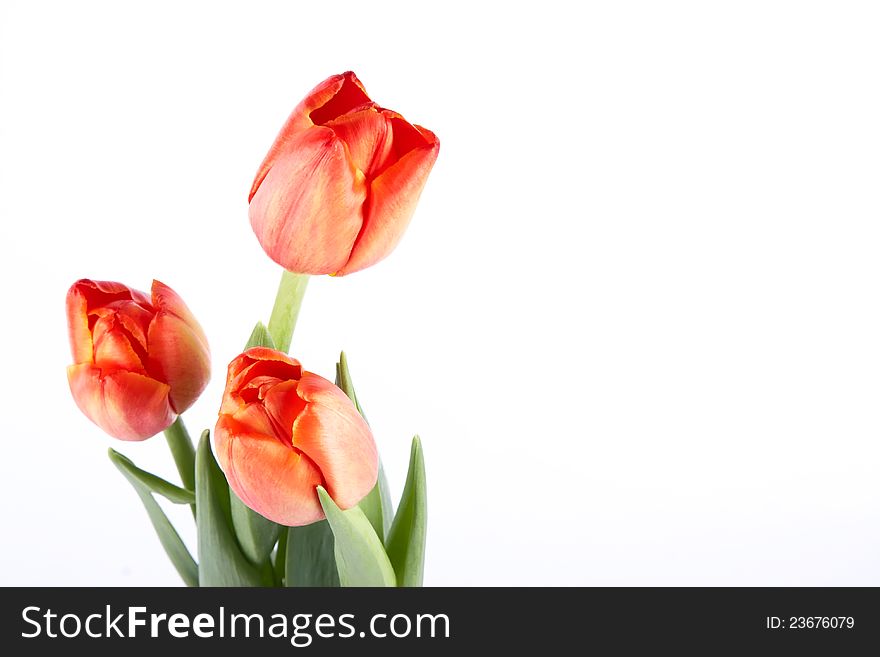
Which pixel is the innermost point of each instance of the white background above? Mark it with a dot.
(635, 319)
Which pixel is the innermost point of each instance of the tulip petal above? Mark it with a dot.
(126, 405)
(78, 325)
(267, 354)
(257, 421)
(87, 299)
(368, 135)
(393, 198)
(166, 300)
(274, 480)
(113, 350)
(253, 363)
(349, 95)
(260, 373)
(135, 319)
(181, 358)
(178, 347)
(284, 405)
(111, 289)
(334, 435)
(138, 404)
(308, 211)
(333, 97)
(102, 293)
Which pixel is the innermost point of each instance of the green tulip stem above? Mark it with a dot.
(286, 309)
(183, 452)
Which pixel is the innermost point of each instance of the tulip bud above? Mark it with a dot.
(139, 361)
(340, 184)
(283, 431)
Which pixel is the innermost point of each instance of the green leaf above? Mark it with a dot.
(371, 505)
(343, 380)
(360, 557)
(406, 539)
(256, 534)
(166, 489)
(221, 560)
(168, 536)
(310, 557)
(260, 337)
(385, 500)
(377, 505)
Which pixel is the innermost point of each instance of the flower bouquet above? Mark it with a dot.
(292, 491)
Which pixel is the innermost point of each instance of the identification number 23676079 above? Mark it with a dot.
(810, 623)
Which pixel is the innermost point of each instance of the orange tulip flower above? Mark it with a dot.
(340, 184)
(139, 360)
(283, 431)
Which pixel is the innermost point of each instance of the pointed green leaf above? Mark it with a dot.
(360, 557)
(343, 380)
(260, 337)
(385, 501)
(406, 538)
(256, 534)
(310, 557)
(221, 560)
(377, 506)
(156, 484)
(168, 536)
(371, 505)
